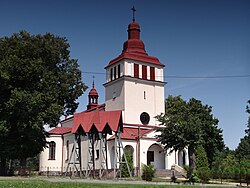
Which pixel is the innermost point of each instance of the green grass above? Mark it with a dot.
(45, 184)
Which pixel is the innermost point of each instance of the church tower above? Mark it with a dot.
(135, 82)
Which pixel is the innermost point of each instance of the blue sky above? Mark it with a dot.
(205, 38)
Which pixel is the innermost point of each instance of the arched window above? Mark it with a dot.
(52, 150)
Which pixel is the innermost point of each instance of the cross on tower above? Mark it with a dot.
(133, 9)
(93, 84)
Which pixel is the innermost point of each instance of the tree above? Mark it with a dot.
(39, 83)
(202, 166)
(218, 163)
(124, 168)
(148, 172)
(243, 149)
(186, 125)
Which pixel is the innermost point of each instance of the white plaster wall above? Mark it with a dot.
(67, 122)
(54, 165)
(144, 145)
(159, 156)
(135, 103)
(110, 154)
(70, 138)
(116, 88)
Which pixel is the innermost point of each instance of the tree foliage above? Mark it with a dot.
(123, 166)
(243, 149)
(39, 83)
(202, 167)
(148, 172)
(189, 124)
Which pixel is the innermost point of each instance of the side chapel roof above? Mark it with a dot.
(98, 120)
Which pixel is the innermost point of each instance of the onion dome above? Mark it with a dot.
(134, 48)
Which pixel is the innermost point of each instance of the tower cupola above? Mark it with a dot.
(134, 44)
(134, 48)
(93, 97)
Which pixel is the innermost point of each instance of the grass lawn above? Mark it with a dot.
(45, 184)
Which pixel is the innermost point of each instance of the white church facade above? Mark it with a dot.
(134, 95)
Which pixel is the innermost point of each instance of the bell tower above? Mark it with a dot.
(134, 81)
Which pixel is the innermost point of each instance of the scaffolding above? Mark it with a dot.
(118, 157)
(74, 167)
(96, 134)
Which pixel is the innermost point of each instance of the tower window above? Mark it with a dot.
(144, 72)
(115, 73)
(136, 70)
(152, 73)
(144, 94)
(52, 150)
(119, 71)
(111, 74)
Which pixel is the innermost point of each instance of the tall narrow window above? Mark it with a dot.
(144, 72)
(115, 73)
(111, 74)
(119, 71)
(152, 73)
(144, 94)
(67, 150)
(97, 154)
(136, 70)
(52, 150)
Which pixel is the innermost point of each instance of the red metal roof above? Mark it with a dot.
(60, 130)
(98, 120)
(132, 133)
(134, 48)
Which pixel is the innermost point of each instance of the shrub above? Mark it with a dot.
(194, 177)
(203, 174)
(148, 172)
(124, 168)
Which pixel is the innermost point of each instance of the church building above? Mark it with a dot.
(93, 141)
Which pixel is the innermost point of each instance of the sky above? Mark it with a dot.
(204, 44)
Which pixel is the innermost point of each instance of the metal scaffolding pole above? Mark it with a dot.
(103, 167)
(75, 157)
(91, 155)
(118, 157)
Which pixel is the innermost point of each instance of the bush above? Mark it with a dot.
(203, 174)
(194, 177)
(148, 172)
(124, 168)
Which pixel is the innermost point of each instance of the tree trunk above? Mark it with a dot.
(191, 157)
(3, 167)
(23, 169)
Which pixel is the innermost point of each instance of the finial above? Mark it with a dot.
(93, 84)
(133, 9)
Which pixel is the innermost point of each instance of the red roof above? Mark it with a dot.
(97, 120)
(134, 48)
(93, 92)
(60, 130)
(132, 133)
